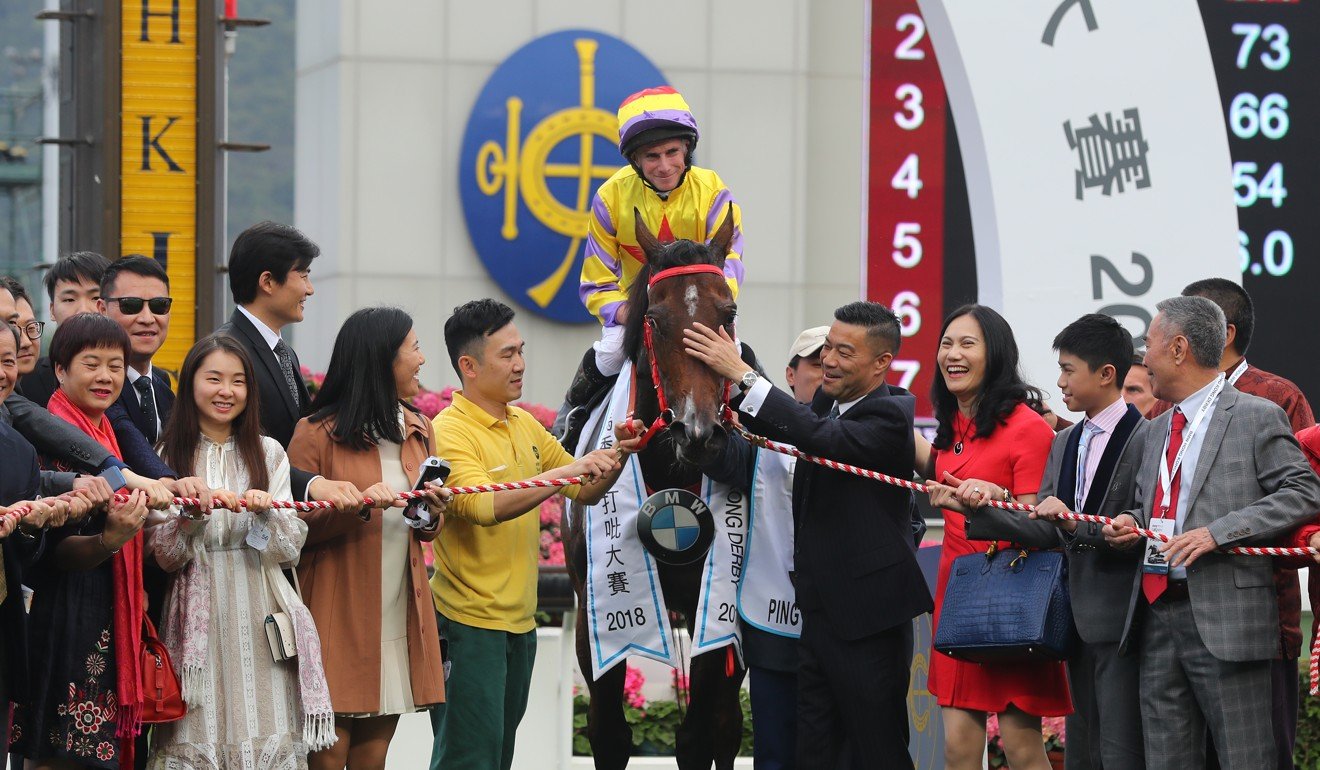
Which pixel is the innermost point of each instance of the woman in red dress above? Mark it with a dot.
(990, 444)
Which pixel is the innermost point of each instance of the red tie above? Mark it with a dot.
(1153, 584)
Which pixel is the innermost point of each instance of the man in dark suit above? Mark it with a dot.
(270, 268)
(1221, 469)
(135, 293)
(1092, 468)
(856, 573)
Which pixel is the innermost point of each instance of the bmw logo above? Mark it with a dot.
(676, 527)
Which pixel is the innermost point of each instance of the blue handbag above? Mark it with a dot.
(1006, 606)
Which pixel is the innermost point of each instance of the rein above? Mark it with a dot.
(666, 415)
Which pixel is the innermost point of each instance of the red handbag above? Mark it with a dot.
(162, 698)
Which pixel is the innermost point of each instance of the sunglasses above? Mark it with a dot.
(133, 305)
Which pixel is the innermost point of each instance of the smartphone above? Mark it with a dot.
(433, 470)
(114, 477)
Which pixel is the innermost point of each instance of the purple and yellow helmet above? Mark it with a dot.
(654, 115)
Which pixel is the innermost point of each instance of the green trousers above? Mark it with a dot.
(489, 676)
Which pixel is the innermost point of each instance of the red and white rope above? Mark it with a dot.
(1008, 506)
(313, 505)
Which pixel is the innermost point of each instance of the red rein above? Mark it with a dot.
(666, 415)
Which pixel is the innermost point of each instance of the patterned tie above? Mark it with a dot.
(1154, 584)
(286, 366)
(147, 397)
(1089, 431)
(834, 412)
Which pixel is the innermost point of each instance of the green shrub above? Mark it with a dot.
(654, 728)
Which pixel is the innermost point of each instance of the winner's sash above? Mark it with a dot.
(626, 612)
(766, 597)
(625, 609)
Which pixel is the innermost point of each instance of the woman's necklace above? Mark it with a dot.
(966, 432)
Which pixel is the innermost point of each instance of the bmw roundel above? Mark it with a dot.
(676, 526)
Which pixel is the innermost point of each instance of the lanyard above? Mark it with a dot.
(1167, 473)
(1240, 370)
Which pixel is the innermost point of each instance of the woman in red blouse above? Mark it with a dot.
(990, 443)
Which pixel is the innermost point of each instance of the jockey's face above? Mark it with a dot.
(663, 163)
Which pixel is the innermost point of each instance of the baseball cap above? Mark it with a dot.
(809, 341)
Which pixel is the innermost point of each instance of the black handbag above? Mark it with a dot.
(1006, 606)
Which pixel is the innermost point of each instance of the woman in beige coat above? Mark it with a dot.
(363, 577)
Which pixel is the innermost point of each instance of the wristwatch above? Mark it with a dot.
(748, 380)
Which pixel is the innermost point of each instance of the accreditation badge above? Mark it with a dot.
(1155, 562)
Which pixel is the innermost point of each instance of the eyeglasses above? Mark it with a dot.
(133, 305)
(34, 330)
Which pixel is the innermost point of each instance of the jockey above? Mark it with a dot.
(657, 136)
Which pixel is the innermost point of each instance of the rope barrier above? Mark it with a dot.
(313, 505)
(793, 451)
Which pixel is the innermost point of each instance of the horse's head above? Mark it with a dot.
(669, 300)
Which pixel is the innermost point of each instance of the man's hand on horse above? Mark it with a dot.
(716, 349)
(628, 437)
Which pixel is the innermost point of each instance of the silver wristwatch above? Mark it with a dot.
(748, 380)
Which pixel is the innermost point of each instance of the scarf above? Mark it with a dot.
(192, 616)
(129, 600)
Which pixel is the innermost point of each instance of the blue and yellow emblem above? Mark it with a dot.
(541, 138)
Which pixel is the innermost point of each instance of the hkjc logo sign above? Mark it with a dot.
(542, 137)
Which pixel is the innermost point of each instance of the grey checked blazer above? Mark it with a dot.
(1100, 579)
(1252, 485)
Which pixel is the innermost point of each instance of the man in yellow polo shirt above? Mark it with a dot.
(486, 553)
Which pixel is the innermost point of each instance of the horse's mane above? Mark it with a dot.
(676, 254)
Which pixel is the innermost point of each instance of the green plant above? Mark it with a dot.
(654, 726)
(1306, 751)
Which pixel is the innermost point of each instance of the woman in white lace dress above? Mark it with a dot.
(246, 711)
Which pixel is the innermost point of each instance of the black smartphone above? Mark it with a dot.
(433, 470)
(114, 477)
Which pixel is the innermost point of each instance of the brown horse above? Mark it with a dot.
(711, 730)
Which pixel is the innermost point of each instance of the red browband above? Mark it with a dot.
(685, 270)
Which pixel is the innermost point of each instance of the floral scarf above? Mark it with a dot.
(130, 600)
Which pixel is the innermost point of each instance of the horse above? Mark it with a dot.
(687, 431)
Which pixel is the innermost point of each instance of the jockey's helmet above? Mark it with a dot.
(654, 115)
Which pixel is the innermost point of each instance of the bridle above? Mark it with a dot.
(666, 415)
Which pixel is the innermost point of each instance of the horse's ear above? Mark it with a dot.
(723, 239)
(645, 238)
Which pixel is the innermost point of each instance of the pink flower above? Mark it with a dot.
(428, 403)
(632, 688)
(546, 540)
(992, 727)
(552, 511)
(556, 553)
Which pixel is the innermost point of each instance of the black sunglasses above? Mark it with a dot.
(133, 305)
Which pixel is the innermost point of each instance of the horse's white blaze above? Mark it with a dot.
(690, 297)
(689, 414)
